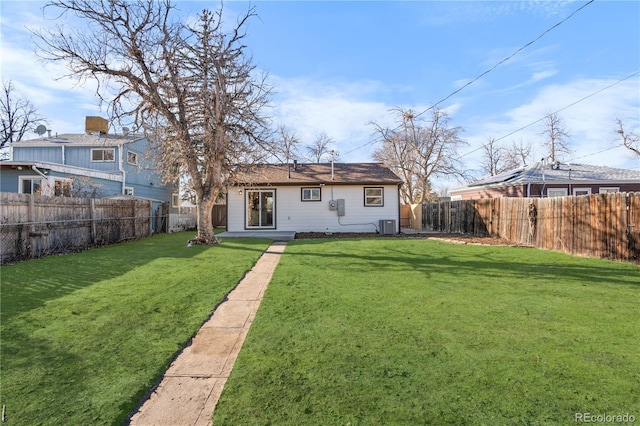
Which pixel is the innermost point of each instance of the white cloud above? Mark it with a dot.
(342, 110)
(541, 75)
(590, 122)
(38, 82)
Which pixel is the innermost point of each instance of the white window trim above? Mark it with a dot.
(103, 150)
(587, 190)
(311, 190)
(135, 157)
(21, 179)
(381, 196)
(175, 200)
(64, 181)
(564, 191)
(247, 209)
(608, 189)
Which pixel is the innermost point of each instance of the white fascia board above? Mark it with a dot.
(80, 171)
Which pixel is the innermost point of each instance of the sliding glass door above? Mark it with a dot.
(261, 208)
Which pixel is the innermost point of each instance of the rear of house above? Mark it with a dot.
(90, 165)
(316, 197)
(543, 179)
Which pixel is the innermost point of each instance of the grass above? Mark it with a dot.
(408, 332)
(86, 335)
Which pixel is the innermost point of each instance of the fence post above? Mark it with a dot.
(92, 220)
(133, 216)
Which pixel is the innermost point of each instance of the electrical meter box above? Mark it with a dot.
(340, 203)
(333, 205)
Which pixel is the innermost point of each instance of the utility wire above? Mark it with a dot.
(487, 72)
(505, 59)
(555, 112)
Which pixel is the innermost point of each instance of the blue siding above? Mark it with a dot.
(80, 156)
(141, 177)
(9, 180)
(49, 154)
(156, 192)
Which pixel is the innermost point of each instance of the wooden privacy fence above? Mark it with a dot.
(35, 225)
(600, 225)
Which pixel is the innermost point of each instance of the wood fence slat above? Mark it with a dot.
(36, 225)
(601, 225)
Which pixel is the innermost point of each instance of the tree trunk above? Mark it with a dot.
(205, 225)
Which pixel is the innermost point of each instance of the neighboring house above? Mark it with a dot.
(95, 165)
(315, 197)
(557, 179)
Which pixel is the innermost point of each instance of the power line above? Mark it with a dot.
(487, 72)
(506, 59)
(594, 153)
(552, 113)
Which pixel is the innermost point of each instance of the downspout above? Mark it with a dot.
(121, 167)
(399, 210)
(529, 190)
(35, 169)
(44, 177)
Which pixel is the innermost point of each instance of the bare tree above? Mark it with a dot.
(557, 136)
(630, 140)
(192, 84)
(321, 148)
(18, 115)
(518, 154)
(419, 149)
(492, 158)
(287, 145)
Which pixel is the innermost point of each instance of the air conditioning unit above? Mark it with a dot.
(387, 227)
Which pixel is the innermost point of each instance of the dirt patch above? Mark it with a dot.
(452, 238)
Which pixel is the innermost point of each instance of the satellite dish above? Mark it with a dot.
(41, 129)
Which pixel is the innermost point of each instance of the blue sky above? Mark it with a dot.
(337, 66)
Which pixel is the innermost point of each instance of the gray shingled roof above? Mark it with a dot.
(559, 173)
(316, 173)
(78, 140)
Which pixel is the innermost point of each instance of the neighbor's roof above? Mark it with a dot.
(79, 140)
(316, 173)
(558, 173)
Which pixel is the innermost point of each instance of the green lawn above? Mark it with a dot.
(409, 332)
(86, 335)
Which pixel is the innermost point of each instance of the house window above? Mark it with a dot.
(175, 201)
(311, 194)
(128, 190)
(103, 155)
(581, 191)
(374, 197)
(260, 208)
(608, 190)
(132, 157)
(557, 192)
(62, 188)
(29, 185)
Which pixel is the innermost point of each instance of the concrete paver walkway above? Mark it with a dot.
(193, 383)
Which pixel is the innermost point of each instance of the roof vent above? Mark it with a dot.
(96, 125)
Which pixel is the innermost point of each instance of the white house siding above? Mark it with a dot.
(292, 214)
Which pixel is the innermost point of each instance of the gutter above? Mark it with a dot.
(35, 169)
